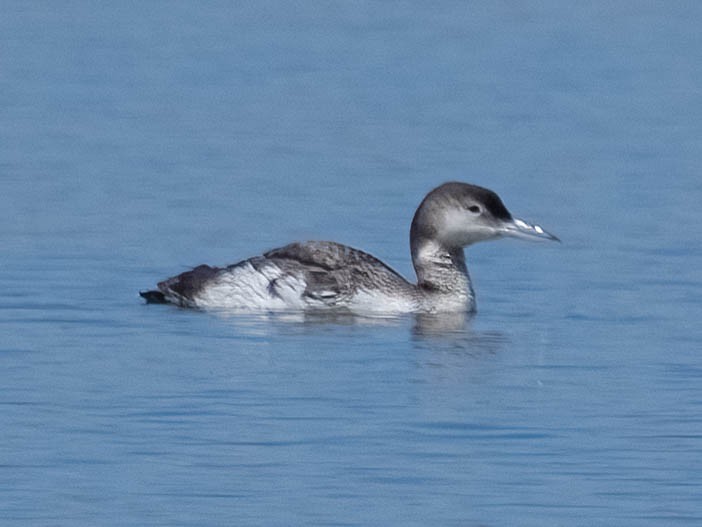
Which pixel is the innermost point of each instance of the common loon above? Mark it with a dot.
(322, 275)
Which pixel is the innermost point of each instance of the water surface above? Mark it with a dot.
(136, 141)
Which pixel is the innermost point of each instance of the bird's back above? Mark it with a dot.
(296, 276)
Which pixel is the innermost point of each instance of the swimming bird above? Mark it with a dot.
(328, 275)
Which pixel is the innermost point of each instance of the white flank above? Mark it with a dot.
(248, 289)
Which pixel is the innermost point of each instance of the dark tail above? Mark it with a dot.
(153, 297)
(182, 288)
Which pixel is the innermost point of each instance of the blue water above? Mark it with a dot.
(137, 139)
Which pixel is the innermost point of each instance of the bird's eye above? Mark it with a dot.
(474, 209)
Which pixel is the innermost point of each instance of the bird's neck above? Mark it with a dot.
(442, 270)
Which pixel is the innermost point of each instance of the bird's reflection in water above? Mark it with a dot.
(437, 331)
(454, 332)
(423, 324)
(303, 321)
(441, 324)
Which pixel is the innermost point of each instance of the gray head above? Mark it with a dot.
(456, 215)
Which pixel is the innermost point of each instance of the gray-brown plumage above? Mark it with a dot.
(320, 274)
